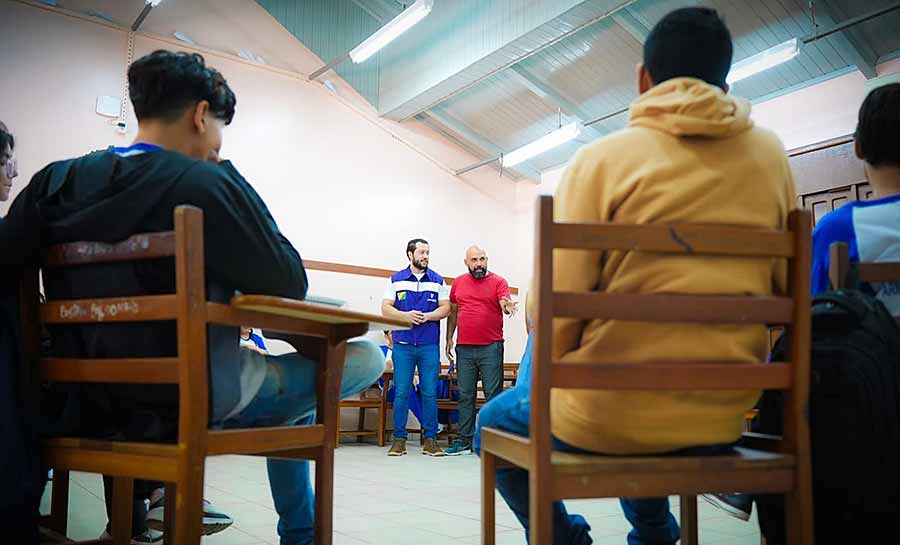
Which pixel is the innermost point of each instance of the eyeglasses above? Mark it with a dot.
(11, 168)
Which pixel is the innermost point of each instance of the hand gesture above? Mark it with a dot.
(416, 317)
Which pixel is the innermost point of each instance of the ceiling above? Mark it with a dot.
(230, 26)
(494, 75)
(497, 74)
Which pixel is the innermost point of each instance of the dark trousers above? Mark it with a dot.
(474, 361)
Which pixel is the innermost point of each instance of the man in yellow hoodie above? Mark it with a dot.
(690, 154)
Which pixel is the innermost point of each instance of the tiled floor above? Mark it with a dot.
(412, 500)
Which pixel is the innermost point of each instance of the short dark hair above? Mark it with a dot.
(689, 42)
(411, 245)
(6, 138)
(164, 83)
(878, 126)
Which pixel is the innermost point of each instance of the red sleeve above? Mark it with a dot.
(502, 289)
(453, 293)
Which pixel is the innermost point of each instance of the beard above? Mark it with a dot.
(421, 264)
(478, 272)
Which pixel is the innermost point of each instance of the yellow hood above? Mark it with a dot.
(690, 107)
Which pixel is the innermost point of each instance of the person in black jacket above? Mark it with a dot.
(182, 107)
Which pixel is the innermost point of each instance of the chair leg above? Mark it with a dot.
(488, 482)
(689, 520)
(189, 502)
(122, 509)
(798, 517)
(540, 510)
(381, 418)
(798, 506)
(169, 514)
(361, 424)
(328, 383)
(59, 501)
(337, 430)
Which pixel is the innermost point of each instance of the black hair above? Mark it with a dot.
(6, 138)
(689, 42)
(411, 245)
(164, 83)
(879, 122)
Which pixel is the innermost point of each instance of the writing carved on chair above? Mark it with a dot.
(91, 249)
(98, 312)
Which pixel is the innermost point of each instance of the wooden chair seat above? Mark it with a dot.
(648, 476)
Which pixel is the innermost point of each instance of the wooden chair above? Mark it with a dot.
(557, 475)
(363, 403)
(839, 269)
(320, 332)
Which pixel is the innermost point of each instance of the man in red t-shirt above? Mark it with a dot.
(478, 301)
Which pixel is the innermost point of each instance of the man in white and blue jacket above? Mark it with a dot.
(418, 295)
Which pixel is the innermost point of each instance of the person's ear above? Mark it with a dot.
(199, 117)
(857, 149)
(645, 83)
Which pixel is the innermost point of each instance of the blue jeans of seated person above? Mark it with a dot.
(650, 518)
(407, 357)
(288, 397)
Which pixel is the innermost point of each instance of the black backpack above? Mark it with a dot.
(854, 416)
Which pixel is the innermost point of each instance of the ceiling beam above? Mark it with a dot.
(551, 95)
(849, 43)
(472, 141)
(632, 24)
(468, 41)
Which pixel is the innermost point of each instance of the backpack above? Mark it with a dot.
(854, 417)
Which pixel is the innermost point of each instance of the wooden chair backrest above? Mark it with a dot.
(792, 310)
(187, 307)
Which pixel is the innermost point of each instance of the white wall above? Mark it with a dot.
(819, 112)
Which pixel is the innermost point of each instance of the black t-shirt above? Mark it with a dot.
(107, 198)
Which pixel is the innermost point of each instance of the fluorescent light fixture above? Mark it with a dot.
(389, 32)
(182, 37)
(154, 3)
(545, 143)
(764, 60)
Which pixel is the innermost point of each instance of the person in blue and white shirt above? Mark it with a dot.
(871, 229)
(417, 295)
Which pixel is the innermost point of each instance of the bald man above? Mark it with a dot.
(478, 301)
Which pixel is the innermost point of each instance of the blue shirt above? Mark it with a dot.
(411, 293)
(871, 230)
(135, 149)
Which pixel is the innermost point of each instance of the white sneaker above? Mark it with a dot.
(149, 536)
(214, 521)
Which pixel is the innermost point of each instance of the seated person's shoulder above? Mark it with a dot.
(766, 139)
(207, 178)
(835, 226)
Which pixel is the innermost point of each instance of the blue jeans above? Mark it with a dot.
(651, 521)
(288, 397)
(407, 357)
